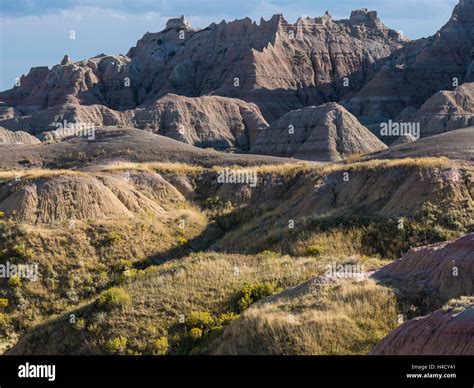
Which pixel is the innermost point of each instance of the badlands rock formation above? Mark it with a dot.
(66, 60)
(65, 197)
(208, 121)
(457, 144)
(445, 269)
(446, 272)
(13, 138)
(405, 139)
(449, 331)
(178, 23)
(278, 65)
(446, 111)
(324, 133)
(52, 123)
(99, 80)
(420, 69)
(112, 144)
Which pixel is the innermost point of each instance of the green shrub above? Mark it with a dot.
(103, 277)
(114, 297)
(128, 274)
(3, 303)
(15, 281)
(79, 324)
(123, 265)
(226, 318)
(160, 346)
(195, 333)
(21, 252)
(4, 322)
(182, 240)
(202, 320)
(315, 250)
(151, 269)
(112, 238)
(200, 327)
(116, 345)
(252, 293)
(93, 328)
(212, 202)
(267, 254)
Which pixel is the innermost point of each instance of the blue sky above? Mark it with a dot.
(36, 32)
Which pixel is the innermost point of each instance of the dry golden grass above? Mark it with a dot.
(203, 282)
(352, 163)
(283, 169)
(339, 320)
(75, 262)
(38, 173)
(428, 162)
(345, 318)
(341, 242)
(209, 280)
(353, 158)
(182, 169)
(177, 168)
(459, 304)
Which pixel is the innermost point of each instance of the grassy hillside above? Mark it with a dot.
(285, 230)
(344, 318)
(184, 303)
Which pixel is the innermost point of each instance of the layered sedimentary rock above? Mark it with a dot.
(456, 145)
(49, 200)
(103, 80)
(447, 111)
(446, 269)
(66, 60)
(420, 69)
(404, 139)
(445, 272)
(12, 138)
(122, 144)
(324, 133)
(208, 121)
(52, 122)
(372, 70)
(449, 331)
(278, 65)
